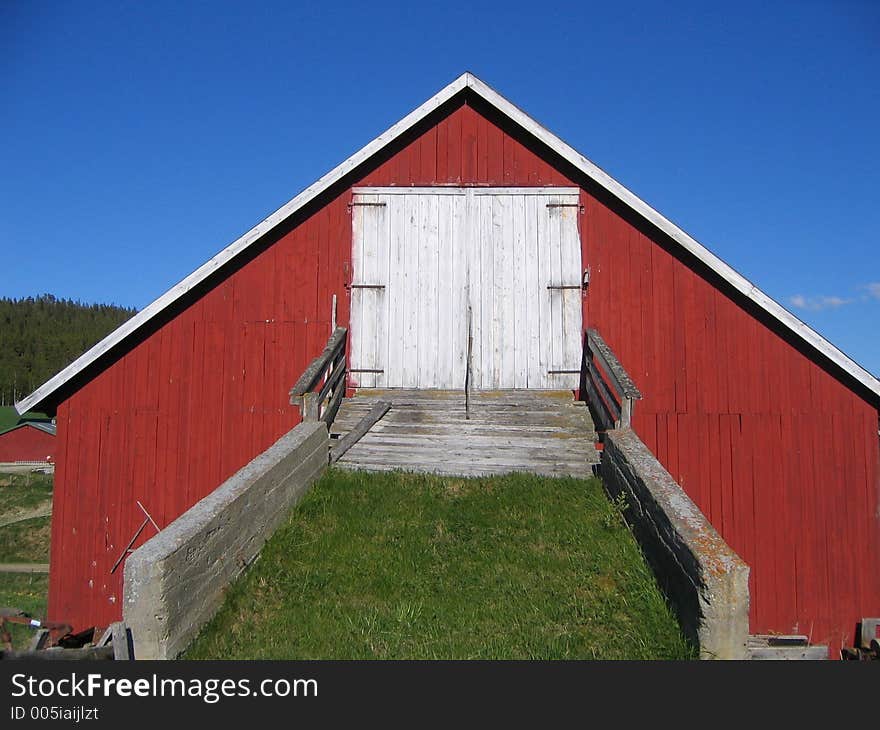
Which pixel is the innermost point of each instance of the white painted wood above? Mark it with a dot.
(521, 304)
(572, 304)
(483, 331)
(460, 294)
(494, 254)
(554, 143)
(445, 291)
(409, 303)
(358, 334)
(368, 304)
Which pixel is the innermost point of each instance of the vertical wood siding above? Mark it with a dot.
(188, 407)
(780, 455)
(27, 444)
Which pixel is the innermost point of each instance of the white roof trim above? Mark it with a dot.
(466, 80)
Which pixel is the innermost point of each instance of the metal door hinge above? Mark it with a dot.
(364, 205)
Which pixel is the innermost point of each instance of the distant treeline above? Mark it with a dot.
(41, 335)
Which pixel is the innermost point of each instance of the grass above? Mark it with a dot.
(27, 592)
(24, 542)
(405, 566)
(23, 492)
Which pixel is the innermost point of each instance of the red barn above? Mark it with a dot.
(28, 441)
(770, 429)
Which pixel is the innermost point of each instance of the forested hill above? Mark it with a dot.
(41, 335)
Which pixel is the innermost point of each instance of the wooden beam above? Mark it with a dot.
(333, 406)
(612, 366)
(312, 375)
(333, 381)
(604, 392)
(357, 433)
(120, 641)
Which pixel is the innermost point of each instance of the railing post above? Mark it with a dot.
(626, 412)
(613, 395)
(310, 407)
(325, 376)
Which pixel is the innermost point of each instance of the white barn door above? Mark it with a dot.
(429, 263)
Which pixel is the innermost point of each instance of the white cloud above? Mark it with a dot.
(873, 289)
(817, 304)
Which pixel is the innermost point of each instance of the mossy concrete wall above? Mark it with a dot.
(175, 582)
(705, 581)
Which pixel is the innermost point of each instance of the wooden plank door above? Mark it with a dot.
(369, 295)
(426, 261)
(527, 300)
(413, 330)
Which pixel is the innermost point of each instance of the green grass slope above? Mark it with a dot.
(405, 566)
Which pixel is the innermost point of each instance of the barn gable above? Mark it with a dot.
(28, 441)
(770, 429)
(457, 169)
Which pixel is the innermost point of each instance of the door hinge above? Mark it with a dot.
(567, 205)
(364, 205)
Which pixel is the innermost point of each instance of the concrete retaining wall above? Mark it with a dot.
(175, 582)
(705, 581)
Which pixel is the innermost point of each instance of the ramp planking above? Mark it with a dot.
(540, 432)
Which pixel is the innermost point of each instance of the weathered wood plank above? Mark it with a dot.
(508, 431)
(603, 396)
(414, 454)
(120, 641)
(333, 406)
(612, 365)
(364, 425)
(312, 374)
(333, 381)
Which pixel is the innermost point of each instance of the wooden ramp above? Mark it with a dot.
(541, 432)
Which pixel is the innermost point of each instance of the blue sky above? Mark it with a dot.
(139, 139)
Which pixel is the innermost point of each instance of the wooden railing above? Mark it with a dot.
(321, 388)
(611, 392)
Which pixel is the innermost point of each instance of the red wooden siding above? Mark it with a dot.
(188, 407)
(207, 392)
(26, 443)
(780, 456)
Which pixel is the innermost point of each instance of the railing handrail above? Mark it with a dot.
(621, 380)
(328, 371)
(614, 396)
(312, 374)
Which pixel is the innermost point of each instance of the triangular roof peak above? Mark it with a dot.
(467, 80)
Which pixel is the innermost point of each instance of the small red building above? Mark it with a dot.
(28, 441)
(769, 428)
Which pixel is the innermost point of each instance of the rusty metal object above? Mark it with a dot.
(128, 548)
(57, 631)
